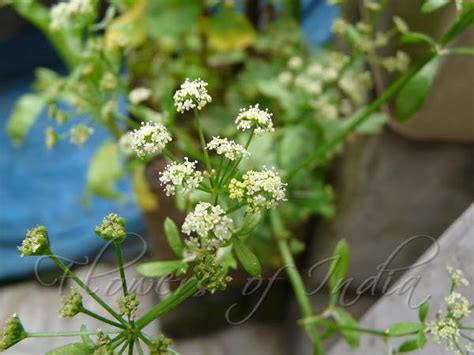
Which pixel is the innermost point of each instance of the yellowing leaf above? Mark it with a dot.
(228, 30)
(141, 189)
(128, 30)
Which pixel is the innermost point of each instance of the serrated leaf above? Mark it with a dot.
(404, 328)
(144, 197)
(423, 311)
(413, 95)
(173, 237)
(228, 30)
(352, 337)
(25, 112)
(339, 266)
(247, 258)
(71, 349)
(104, 171)
(408, 346)
(433, 5)
(161, 268)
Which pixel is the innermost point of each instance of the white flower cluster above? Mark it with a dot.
(458, 305)
(211, 225)
(259, 189)
(457, 277)
(254, 117)
(229, 149)
(448, 328)
(64, 11)
(138, 95)
(150, 138)
(180, 175)
(191, 95)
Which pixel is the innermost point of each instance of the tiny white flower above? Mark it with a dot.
(191, 95)
(138, 95)
(458, 305)
(211, 225)
(285, 77)
(150, 138)
(254, 117)
(63, 12)
(180, 175)
(229, 149)
(400, 24)
(258, 189)
(125, 144)
(79, 134)
(295, 62)
(457, 277)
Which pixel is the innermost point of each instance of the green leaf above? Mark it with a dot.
(339, 266)
(104, 171)
(247, 258)
(352, 337)
(160, 268)
(408, 346)
(250, 223)
(24, 114)
(423, 311)
(71, 349)
(296, 246)
(421, 339)
(413, 95)
(173, 236)
(404, 328)
(417, 37)
(433, 5)
(373, 123)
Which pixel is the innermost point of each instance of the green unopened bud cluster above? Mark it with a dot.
(112, 228)
(161, 346)
(35, 243)
(71, 304)
(211, 275)
(103, 345)
(128, 305)
(12, 333)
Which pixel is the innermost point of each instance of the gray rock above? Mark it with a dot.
(455, 248)
(391, 189)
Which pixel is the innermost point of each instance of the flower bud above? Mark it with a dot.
(36, 242)
(112, 228)
(12, 333)
(70, 305)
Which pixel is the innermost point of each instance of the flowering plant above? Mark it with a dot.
(228, 189)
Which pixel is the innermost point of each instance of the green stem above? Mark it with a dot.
(465, 20)
(86, 288)
(203, 143)
(185, 291)
(232, 171)
(101, 318)
(333, 325)
(120, 261)
(67, 334)
(298, 287)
